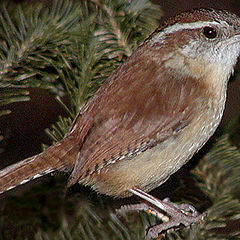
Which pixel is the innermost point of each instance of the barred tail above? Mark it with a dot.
(59, 157)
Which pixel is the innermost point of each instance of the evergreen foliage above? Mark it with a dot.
(217, 177)
(70, 48)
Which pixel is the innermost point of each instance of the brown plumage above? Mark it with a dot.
(151, 115)
(59, 157)
(130, 119)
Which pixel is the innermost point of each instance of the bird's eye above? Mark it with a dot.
(209, 32)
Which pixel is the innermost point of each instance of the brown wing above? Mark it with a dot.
(132, 113)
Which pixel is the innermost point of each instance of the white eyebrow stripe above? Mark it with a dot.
(180, 26)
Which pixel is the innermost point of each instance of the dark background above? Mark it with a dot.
(23, 129)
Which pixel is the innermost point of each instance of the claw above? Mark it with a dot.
(176, 215)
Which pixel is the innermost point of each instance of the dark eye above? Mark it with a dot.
(210, 32)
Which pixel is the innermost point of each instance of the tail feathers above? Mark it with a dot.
(21, 173)
(59, 157)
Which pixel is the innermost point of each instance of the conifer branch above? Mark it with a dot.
(70, 49)
(218, 178)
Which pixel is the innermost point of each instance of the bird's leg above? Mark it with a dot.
(178, 214)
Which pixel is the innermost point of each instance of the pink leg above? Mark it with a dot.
(178, 214)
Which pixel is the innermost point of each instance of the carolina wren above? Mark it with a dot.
(151, 115)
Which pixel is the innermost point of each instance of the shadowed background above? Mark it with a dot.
(23, 129)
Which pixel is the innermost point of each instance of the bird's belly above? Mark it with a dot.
(153, 167)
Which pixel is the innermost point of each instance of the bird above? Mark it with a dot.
(150, 116)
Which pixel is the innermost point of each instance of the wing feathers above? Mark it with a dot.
(132, 117)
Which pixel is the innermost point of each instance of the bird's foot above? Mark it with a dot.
(174, 216)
